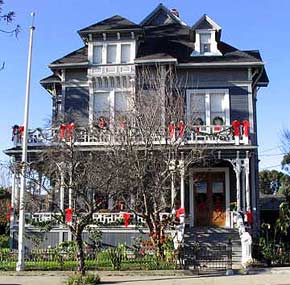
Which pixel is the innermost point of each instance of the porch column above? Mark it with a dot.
(173, 192)
(247, 174)
(181, 165)
(70, 191)
(61, 192)
(237, 168)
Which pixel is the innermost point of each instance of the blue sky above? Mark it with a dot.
(246, 24)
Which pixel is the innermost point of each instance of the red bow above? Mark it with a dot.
(236, 125)
(180, 212)
(66, 130)
(126, 217)
(181, 127)
(246, 126)
(171, 129)
(68, 215)
(249, 215)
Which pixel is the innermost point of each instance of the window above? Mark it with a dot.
(102, 104)
(112, 54)
(208, 107)
(97, 54)
(125, 53)
(111, 105)
(205, 40)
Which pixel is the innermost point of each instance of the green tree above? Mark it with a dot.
(268, 179)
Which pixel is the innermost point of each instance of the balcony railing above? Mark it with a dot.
(193, 134)
(100, 218)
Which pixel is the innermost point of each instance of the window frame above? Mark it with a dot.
(105, 45)
(207, 94)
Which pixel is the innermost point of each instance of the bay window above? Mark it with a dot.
(97, 54)
(208, 107)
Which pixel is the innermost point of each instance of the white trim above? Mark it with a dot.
(202, 64)
(155, 60)
(251, 109)
(225, 170)
(207, 18)
(105, 44)
(68, 64)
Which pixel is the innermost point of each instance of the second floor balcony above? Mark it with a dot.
(235, 134)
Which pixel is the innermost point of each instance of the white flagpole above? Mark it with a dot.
(21, 223)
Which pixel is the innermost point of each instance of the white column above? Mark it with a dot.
(61, 192)
(70, 191)
(173, 192)
(181, 165)
(247, 174)
(238, 182)
(13, 205)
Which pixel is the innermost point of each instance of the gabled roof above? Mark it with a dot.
(161, 16)
(205, 22)
(50, 79)
(79, 56)
(114, 23)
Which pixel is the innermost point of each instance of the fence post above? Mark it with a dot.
(229, 249)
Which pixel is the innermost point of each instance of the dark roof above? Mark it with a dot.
(113, 23)
(77, 56)
(161, 15)
(50, 79)
(271, 202)
(204, 24)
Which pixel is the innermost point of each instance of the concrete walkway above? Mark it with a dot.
(59, 279)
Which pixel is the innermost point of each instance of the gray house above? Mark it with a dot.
(219, 84)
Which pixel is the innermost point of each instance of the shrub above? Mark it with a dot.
(89, 279)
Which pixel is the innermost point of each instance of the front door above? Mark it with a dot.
(209, 199)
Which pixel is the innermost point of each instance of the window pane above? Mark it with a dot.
(102, 104)
(111, 53)
(217, 102)
(217, 109)
(121, 102)
(125, 53)
(97, 54)
(205, 38)
(197, 108)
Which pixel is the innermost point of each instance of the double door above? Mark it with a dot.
(209, 199)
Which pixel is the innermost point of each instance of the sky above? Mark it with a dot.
(246, 24)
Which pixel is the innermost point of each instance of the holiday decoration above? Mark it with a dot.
(66, 131)
(102, 124)
(181, 128)
(68, 215)
(126, 217)
(218, 122)
(236, 125)
(246, 131)
(69, 130)
(180, 212)
(249, 216)
(171, 130)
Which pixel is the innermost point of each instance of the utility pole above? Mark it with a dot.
(21, 223)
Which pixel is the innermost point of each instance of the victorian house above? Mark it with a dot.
(219, 84)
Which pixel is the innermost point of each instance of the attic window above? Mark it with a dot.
(205, 43)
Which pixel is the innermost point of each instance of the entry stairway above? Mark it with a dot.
(213, 237)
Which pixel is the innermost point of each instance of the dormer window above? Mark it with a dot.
(205, 43)
(206, 36)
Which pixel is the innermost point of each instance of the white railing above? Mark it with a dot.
(101, 218)
(96, 136)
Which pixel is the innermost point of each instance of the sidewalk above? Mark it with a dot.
(277, 276)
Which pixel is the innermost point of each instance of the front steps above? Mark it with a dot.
(213, 236)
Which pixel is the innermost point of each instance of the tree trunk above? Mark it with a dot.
(80, 253)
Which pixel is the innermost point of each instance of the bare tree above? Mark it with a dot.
(8, 18)
(82, 176)
(150, 146)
